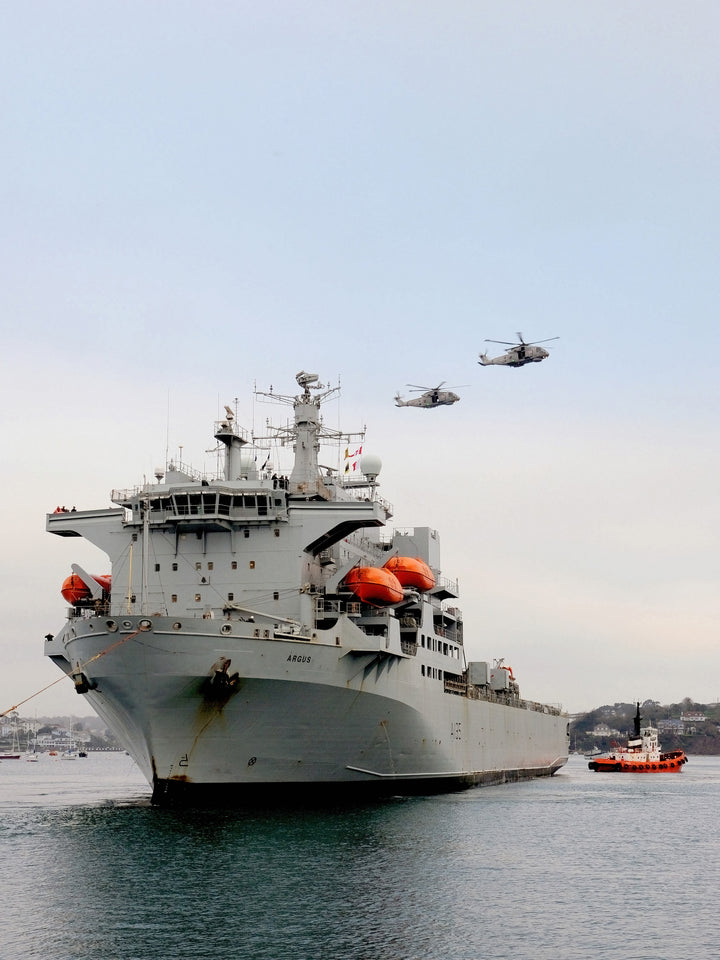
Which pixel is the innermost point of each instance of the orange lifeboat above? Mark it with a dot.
(411, 572)
(374, 585)
(74, 590)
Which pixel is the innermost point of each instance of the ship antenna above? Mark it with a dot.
(167, 430)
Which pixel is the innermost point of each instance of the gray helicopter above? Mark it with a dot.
(430, 397)
(519, 353)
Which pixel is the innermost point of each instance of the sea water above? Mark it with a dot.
(580, 865)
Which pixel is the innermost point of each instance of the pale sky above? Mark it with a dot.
(201, 196)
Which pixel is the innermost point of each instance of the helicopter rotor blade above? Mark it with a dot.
(505, 343)
(543, 341)
(416, 386)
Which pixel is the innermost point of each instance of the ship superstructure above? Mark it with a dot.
(258, 629)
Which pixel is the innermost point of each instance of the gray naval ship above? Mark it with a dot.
(262, 633)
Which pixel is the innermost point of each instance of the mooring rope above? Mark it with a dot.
(65, 676)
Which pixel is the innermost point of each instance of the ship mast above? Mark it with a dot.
(227, 432)
(306, 431)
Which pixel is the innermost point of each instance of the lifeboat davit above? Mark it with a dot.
(411, 572)
(74, 589)
(374, 585)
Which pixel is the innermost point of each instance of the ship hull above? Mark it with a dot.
(299, 719)
(673, 764)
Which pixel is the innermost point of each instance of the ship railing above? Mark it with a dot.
(325, 608)
(361, 493)
(552, 709)
(374, 548)
(477, 692)
(450, 585)
(232, 426)
(454, 684)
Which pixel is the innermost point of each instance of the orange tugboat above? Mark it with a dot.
(641, 755)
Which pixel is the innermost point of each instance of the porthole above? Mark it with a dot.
(145, 624)
(127, 624)
(111, 626)
(225, 628)
(177, 625)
